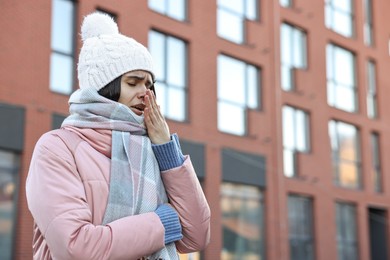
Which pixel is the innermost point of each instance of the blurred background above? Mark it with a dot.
(281, 105)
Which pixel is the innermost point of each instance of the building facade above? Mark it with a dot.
(282, 105)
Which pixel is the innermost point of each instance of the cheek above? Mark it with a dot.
(127, 95)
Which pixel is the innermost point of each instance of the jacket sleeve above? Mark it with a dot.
(57, 201)
(186, 196)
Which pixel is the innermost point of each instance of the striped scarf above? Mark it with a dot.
(135, 182)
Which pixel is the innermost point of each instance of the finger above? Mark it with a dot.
(152, 113)
(155, 108)
(153, 99)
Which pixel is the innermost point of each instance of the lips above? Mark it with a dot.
(138, 109)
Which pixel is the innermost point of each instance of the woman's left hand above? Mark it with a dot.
(155, 123)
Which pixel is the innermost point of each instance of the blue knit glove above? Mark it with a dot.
(171, 223)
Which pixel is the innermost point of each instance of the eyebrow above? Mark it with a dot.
(139, 78)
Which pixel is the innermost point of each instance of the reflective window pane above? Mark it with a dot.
(341, 79)
(231, 80)
(157, 5)
(345, 99)
(289, 163)
(300, 228)
(345, 154)
(230, 26)
(175, 9)
(253, 83)
(301, 131)
(231, 118)
(287, 77)
(62, 40)
(62, 27)
(61, 73)
(295, 137)
(170, 57)
(368, 23)
(339, 16)
(344, 6)
(231, 17)
(157, 50)
(238, 90)
(176, 105)
(288, 127)
(285, 3)
(9, 165)
(251, 9)
(176, 63)
(232, 5)
(346, 231)
(376, 162)
(293, 54)
(371, 90)
(242, 222)
(162, 97)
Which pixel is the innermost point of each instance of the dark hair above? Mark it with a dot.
(112, 90)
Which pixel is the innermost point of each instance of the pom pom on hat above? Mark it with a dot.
(97, 24)
(107, 54)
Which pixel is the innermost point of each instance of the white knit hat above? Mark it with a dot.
(106, 54)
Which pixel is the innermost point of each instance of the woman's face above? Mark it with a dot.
(133, 89)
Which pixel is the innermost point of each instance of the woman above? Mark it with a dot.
(112, 183)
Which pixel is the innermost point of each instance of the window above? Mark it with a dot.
(376, 162)
(341, 82)
(293, 54)
(295, 138)
(231, 17)
(286, 3)
(170, 57)
(368, 23)
(9, 167)
(242, 222)
(339, 16)
(176, 9)
(238, 84)
(345, 154)
(372, 110)
(62, 46)
(300, 218)
(347, 245)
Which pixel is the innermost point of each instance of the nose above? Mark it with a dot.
(142, 91)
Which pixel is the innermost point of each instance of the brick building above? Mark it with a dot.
(281, 104)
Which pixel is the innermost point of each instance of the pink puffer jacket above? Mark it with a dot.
(67, 197)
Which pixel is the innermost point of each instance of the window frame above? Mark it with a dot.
(167, 85)
(246, 107)
(14, 170)
(294, 32)
(330, 11)
(333, 84)
(238, 192)
(243, 17)
(71, 55)
(372, 95)
(296, 112)
(345, 211)
(376, 162)
(368, 26)
(302, 220)
(166, 9)
(333, 129)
